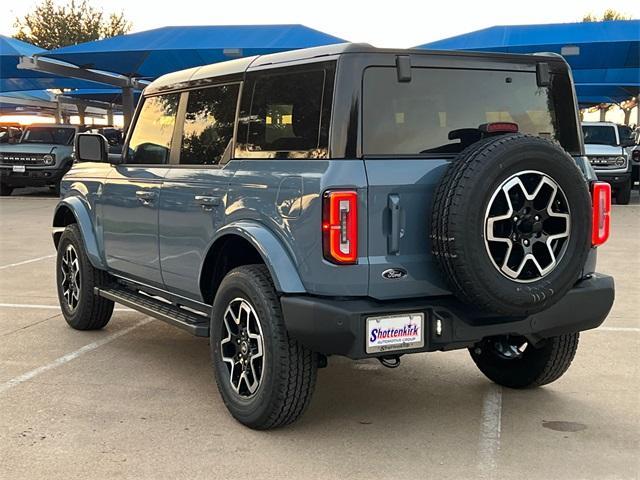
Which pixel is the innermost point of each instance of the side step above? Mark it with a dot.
(188, 320)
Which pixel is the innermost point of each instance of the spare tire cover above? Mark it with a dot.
(511, 224)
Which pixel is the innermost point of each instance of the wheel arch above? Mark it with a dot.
(245, 243)
(74, 210)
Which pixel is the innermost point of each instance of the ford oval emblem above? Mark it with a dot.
(394, 273)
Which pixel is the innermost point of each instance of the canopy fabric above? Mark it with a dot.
(14, 79)
(606, 54)
(152, 53)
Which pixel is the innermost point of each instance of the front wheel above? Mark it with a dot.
(265, 378)
(5, 190)
(623, 195)
(511, 362)
(76, 279)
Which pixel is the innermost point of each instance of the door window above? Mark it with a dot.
(151, 139)
(208, 125)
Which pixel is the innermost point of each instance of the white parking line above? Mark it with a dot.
(50, 307)
(616, 329)
(25, 377)
(490, 429)
(27, 261)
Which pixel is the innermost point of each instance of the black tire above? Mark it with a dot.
(55, 188)
(536, 367)
(623, 195)
(91, 312)
(289, 371)
(458, 224)
(5, 190)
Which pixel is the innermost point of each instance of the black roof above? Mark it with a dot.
(192, 75)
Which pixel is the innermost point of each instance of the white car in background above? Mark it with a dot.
(605, 145)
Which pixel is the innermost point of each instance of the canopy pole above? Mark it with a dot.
(58, 114)
(110, 115)
(81, 111)
(127, 106)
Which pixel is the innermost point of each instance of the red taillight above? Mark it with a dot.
(601, 221)
(499, 127)
(340, 226)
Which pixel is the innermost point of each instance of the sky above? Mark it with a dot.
(398, 23)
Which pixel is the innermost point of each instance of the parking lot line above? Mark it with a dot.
(490, 430)
(69, 356)
(26, 261)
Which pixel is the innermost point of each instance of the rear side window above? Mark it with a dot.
(439, 110)
(208, 125)
(151, 138)
(285, 113)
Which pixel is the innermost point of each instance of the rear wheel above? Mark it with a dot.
(623, 195)
(76, 279)
(265, 378)
(5, 190)
(511, 362)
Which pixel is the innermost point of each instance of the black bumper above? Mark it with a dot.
(614, 179)
(32, 177)
(333, 326)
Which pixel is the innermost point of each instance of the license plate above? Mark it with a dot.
(397, 332)
(19, 168)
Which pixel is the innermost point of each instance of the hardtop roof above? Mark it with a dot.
(185, 77)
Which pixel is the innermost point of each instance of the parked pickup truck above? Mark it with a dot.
(41, 157)
(345, 200)
(606, 146)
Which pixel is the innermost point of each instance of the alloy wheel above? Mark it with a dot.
(70, 281)
(242, 347)
(527, 226)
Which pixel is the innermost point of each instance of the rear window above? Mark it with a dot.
(599, 135)
(439, 110)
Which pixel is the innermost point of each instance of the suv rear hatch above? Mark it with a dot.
(413, 128)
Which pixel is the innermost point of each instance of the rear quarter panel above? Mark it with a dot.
(285, 196)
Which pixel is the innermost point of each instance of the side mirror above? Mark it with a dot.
(91, 147)
(628, 142)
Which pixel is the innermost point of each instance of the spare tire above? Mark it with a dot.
(511, 224)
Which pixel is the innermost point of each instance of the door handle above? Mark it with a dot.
(207, 202)
(146, 196)
(393, 243)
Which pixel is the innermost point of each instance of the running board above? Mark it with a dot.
(190, 321)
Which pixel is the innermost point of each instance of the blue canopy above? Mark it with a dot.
(605, 55)
(14, 79)
(152, 53)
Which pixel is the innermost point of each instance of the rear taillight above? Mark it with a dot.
(340, 226)
(601, 221)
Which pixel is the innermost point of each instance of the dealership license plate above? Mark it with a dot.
(19, 168)
(397, 332)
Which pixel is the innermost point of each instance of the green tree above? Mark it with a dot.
(51, 26)
(609, 14)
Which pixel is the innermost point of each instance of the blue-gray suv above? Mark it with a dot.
(345, 200)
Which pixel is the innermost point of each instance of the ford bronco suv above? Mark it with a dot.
(41, 157)
(606, 147)
(344, 200)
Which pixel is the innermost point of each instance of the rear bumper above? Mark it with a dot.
(332, 326)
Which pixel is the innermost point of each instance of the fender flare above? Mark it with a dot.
(80, 210)
(275, 256)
